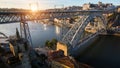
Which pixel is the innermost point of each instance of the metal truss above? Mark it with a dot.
(14, 16)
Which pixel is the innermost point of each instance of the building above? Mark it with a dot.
(61, 46)
(63, 62)
(89, 6)
(59, 60)
(99, 6)
(118, 8)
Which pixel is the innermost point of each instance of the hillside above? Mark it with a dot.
(114, 19)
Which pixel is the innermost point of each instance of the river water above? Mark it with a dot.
(103, 53)
(39, 32)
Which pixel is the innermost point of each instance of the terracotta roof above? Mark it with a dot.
(66, 61)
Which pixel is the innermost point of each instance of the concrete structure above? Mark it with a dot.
(61, 46)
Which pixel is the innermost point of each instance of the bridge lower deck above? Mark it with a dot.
(103, 53)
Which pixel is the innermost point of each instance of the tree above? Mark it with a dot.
(54, 42)
(46, 43)
(51, 44)
(17, 33)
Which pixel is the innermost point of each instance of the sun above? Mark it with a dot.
(33, 7)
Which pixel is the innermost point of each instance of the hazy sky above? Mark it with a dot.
(45, 4)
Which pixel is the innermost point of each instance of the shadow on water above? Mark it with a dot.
(103, 53)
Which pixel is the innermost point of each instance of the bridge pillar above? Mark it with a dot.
(62, 46)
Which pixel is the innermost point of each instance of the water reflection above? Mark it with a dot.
(8, 30)
(57, 29)
(45, 26)
(39, 32)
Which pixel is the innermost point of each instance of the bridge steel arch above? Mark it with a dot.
(72, 37)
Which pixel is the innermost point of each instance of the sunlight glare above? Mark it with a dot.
(33, 7)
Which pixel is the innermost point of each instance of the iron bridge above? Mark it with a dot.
(16, 16)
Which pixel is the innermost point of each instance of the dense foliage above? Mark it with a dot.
(51, 44)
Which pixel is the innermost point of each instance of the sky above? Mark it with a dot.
(47, 4)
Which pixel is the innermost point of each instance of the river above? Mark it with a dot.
(39, 32)
(104, 53)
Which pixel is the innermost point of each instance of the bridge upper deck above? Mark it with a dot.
(80, 11)
(15, 16)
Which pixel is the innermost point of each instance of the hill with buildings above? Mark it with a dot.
(114, 19)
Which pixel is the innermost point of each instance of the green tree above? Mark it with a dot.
(17, 33)
(51, 44)
(46, 43)
(54, 42)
